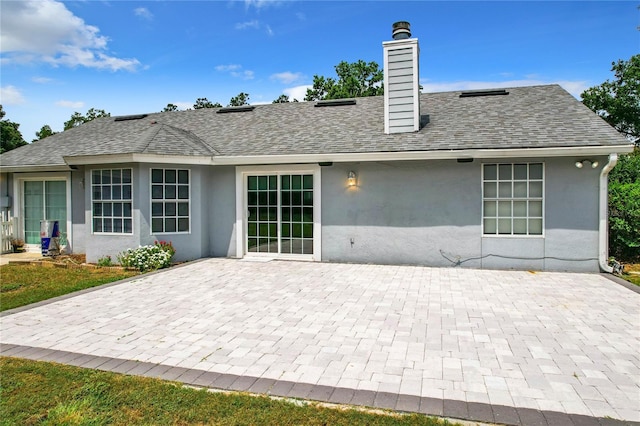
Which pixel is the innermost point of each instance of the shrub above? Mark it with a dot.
(624, 208)
(148, 258)
(105, 261)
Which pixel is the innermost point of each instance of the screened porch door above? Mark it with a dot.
(43, 200)
(280, 214)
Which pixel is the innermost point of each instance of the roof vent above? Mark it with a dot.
(335, 102)
(130, 117)
(473, 93)
(243, 108)
(401, 30)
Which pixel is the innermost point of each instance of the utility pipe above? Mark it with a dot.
(603, 243)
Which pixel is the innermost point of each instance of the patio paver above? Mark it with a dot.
(515, 346)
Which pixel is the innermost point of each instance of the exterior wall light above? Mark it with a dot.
(351, 179)
(580, 164)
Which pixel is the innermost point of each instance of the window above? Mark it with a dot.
(512, 196)
(112, 201)
(170, 196)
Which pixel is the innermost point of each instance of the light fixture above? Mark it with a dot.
(580, 164)
(351, 179)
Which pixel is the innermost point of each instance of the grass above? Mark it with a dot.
(43, 393)
(632, 278)
(24, 284)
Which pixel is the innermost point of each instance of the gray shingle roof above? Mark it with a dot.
(529, 117)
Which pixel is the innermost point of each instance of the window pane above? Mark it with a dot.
(117, 209)
(490, 190)
(273, 183)
(183, 209)
(490, 172)
(296, 198)
(535, 189)
(273, 198)
(106, 176)
(156, 209)
(107, 225)
(116, 192)
(170, 225)
(252, 244)
(504, 189)
(296, 230)
(126, 175)
(296, 214)
(183, 176)
(97, 193)
(170, 176)
(307, 246)
(263, 182)
(307, 230)
(252, 198)
(97, 209)
(183, 225)
(520, 226)
(156, 175)
(263, 229)
(183, 192)
(117, 225)
(504, 226)
(307, 214)
(520, 189)
(252, 183)
(273, 230)
(273, 213)
(286, 230)
(95, 176)
(286, 213)
(504, 208)
(262, 198)
(490, 226)
(520, 171)
(296, 182)
(126, 192)
(106, 192)
(307, 182)
(126, 209)
(97, 225)
(253, 213)
(535, 226)
(116, 176)
(504, 172)
(535, 208)
(107, 209)
(170, 209)
(308, 198)
(128, 226)
(156, 225)
(285, 182)
(170, 192)
(535, 171)
(252, 229)
(156, 192)
(490, 209)
(519, 209)
(285, 198)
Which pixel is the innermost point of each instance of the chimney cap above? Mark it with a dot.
(401, 30)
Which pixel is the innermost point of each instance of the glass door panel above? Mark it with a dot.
(262, 220)
(297, 214)
(44, 200)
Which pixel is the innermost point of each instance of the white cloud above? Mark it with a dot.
(573, 87)
(10, 95)
(249, 24)
(259, 4)
(70, 104)
(269, 30)
(230, 67)
(45, 30)
(245, 75)
(143, 13)
(183, 105)
(287, 77)
(297, 92)
(42, 80)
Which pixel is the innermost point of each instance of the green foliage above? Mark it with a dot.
(170, 107)
(149, 257)
(10, 136)
(105, 261)
(205, 103)
(43, 393)
(355, 79)
(624, 208)
(241, 99)
(282, 99)
(78, 119)
(44, 132)
(618, 101)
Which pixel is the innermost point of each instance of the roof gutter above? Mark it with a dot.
(603, 231)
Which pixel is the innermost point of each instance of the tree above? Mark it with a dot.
(170, 107)
(624, 207)
(618, 101)
(44, 132)
(205, 103)
(355, 79)
(10, 136)
(241, 99)
(78, 119)
(282, 99)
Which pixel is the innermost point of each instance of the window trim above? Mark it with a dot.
(164, 200)
(512, 198)
(91, 184)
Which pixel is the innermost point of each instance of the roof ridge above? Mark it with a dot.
(191, 136)
(152, 134)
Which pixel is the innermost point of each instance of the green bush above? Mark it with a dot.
(624, 208)
(148, 258)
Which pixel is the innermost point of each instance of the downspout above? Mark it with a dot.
(603, 230)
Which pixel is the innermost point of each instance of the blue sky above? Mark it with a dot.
(129, 57)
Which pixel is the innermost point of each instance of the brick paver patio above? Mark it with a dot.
(513, 347)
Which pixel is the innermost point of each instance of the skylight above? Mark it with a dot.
(243, 108)
(474, 93)
(130, 117)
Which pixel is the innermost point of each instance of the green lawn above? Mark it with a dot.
(43, 393)
(24, 284)
(634, 279)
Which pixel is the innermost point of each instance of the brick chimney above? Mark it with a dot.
(401, 81)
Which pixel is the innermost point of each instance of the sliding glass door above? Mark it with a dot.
(43, 200)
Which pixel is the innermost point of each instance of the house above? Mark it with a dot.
(507, 178)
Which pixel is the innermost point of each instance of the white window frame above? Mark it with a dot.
(513, 198)
(242, 172)
(18, 190)
(170, 200)
(130, 200)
